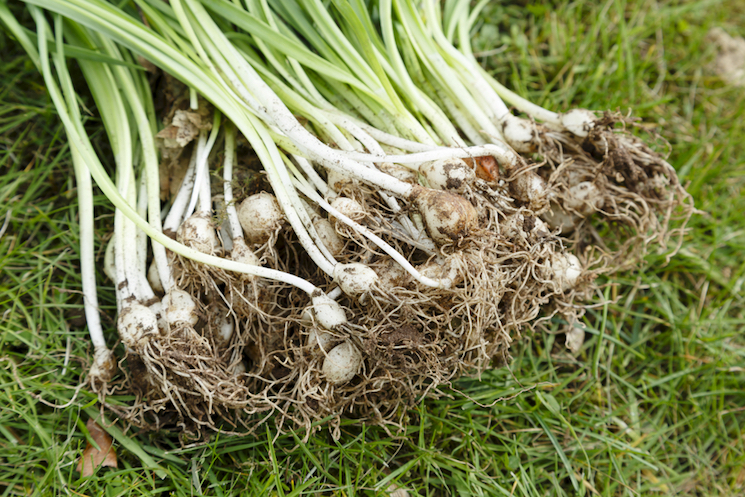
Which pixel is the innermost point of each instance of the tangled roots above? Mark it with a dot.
(613, 192)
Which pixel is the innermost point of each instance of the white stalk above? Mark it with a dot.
(253, 129)
(312, 175)
(203, 171)
(444, 128)
(199, 173)
(104, 365)
(395, 255)
(468, 71)
(150, 159)
(80, 140)
(501, 152)
(180, 203)
(227, 176)
(141, 236)
(460, 118)
(392, 140)
(445, 75)
(360, 134)
(274, 111)
(103, 362)
(136, 274)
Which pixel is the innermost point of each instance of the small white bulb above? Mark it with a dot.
(180, 307)
(566, 269)
(338, 180)
(519, 133)
(198, 232)
(399, 172)
(225, 327)
(557, 218)
(354, 279)
(328, 236)
(391, 274)
(447, 216)
(104, 365)
(578, 121)
(584, 198)
(342, 363)
(241, 253)
(529, 188)
(320, 338)
(349, 207)
(260, 216)
(443, 269)
(329, 313)
(135, 324)
(239, 368)
(447, 174)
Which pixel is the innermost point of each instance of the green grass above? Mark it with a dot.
(653, 405)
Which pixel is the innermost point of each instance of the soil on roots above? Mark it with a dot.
(613, 195)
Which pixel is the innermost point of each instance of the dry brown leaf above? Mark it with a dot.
(92, 457)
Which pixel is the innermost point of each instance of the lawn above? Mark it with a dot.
(654, 404)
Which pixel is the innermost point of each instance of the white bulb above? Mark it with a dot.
(342, 363)
(578, 121)
(320, 338)
(566, 269)
(530, 188)
(442, 269)
(391, 274)
(326, 232)
(329, 313)
(519, 133)
(584, 198)
(239, 368)
(338, 180)
(135, 324)
(447, 216)
(447, 174)
(260, 216)
(104, 364)
(349, 207)
(198, 232)
(180, 307)
(241, 253)
(399, 172)
(225, 327)
(557, 218)
(354, 279)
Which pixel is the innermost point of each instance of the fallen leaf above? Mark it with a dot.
(92, 458)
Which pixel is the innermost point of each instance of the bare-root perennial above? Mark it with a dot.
(375, 232)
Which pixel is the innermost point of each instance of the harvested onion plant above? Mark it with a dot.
(352, 214)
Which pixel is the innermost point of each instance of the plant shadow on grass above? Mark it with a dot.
(653, 404)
